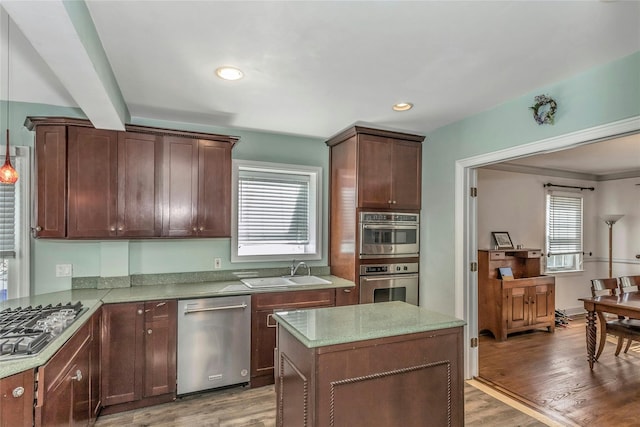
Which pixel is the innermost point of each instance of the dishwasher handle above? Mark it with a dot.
(187, 310)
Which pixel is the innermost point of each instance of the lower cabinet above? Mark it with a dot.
(68, 383)
(16, 400)
(138, 354)
(530, 307)
(263, 326)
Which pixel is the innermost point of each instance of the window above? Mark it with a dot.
(14, 234)
(276, 212)
(564, 232)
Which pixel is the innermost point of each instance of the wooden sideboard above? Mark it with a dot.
(524, 303)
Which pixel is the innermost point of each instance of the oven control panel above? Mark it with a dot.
(377, 269)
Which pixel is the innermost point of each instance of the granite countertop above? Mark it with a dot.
(338, 325)
(92, 300)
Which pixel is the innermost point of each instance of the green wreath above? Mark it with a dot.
(544, 109)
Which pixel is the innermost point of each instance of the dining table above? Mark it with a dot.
(626, 304)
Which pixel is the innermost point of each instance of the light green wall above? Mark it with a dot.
(598, 96)
(109, 259)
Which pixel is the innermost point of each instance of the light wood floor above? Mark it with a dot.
(550, 372)
(238, 407)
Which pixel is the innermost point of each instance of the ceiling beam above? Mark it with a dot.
(65, 37)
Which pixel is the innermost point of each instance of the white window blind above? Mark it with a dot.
(564, 224)
(7, 220)
(273, 208)
(276, 212)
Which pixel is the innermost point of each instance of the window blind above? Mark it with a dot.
(564, 225)
(7, 220)
(272, 208)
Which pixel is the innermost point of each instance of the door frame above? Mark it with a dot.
(466, 247)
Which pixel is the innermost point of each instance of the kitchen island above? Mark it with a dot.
(384, 364)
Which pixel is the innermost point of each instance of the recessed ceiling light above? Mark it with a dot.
(402, 106)
(229, 73)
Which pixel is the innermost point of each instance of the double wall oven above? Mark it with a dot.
(389, 247)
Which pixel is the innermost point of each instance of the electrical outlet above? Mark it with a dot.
(64, 270)
(217, 263)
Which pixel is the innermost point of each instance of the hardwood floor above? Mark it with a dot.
(238, 407)
(550, 373)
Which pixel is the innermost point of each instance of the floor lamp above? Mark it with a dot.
(610, 220)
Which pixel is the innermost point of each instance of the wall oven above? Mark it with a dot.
(389, 235)
(389, 282)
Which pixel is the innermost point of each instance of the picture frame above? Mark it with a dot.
(502, 239)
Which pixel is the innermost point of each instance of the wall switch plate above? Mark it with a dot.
(217, 263)
(64, 270)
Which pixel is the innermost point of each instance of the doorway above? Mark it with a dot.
(466, 217)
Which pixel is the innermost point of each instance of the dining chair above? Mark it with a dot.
(629, 284)
(621, 327)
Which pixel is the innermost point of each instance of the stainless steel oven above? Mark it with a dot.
(389, 282)
(389, 235)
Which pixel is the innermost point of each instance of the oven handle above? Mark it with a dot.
(379, 226)
(389, 277)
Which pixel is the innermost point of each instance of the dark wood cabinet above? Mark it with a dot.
(197, 188)
(51, 181)
(92, 182)
(138, 354)
(16, 400)
(406, 380)
(142, 183)
(526, 302)
(66, 383)
(139, 187)
(263, 326)
(389, 173)
(370, 169)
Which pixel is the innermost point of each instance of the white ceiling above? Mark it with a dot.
(315, 67)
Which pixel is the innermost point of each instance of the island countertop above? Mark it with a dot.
(337, 325)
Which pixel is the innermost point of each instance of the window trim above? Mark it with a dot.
(316, 210)
(579, 258)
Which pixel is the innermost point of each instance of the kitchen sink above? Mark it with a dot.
(288, 281)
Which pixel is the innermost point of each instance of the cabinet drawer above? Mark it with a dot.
(534, 254)
(296, 299)
(496, 255)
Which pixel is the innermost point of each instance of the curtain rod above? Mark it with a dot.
(568, 186)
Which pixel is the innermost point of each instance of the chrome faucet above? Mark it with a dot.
(294, 267)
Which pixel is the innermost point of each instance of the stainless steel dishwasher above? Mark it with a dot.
(214, 342)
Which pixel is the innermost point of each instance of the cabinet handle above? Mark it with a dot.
(346, 291)
(120, 228)
(160, 304)
(394, 202)
(389, 201)
(149, 331)
(140, 311)
(77, 376)
(18, 392)
(195, 228)
(112, 229)
(38, 228)
(201, 228)
(269, 324)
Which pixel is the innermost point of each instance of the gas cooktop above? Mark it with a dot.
(26, 331)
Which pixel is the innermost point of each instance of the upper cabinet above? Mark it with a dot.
(197, 188)
(384, 171)
(388, 173)
(144, 182)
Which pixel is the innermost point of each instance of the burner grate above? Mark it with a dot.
(26, 331)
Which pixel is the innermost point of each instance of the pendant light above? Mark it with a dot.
(8, 175)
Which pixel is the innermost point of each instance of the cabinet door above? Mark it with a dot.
(95, 403)
(92, 169)
(263, 326)
(407, 175)
(542, 304)
(180, 186)
(139, 164)
(160, 347)
(214, 189)
(517, 306)
(122, 352)
(51, 172)
(374, 172)
(16, 400)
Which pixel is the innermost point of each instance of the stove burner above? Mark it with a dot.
(26, 331)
